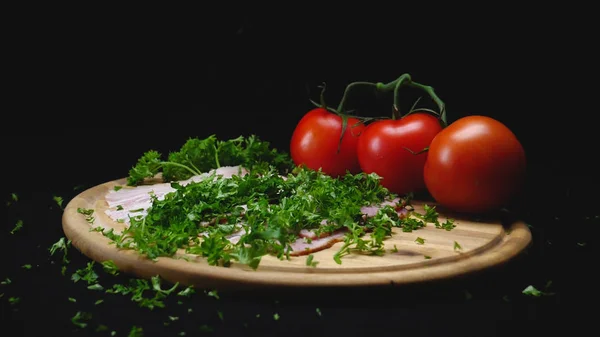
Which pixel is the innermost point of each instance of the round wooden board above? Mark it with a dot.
(484, 244)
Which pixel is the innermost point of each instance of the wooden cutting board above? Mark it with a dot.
(484, 243)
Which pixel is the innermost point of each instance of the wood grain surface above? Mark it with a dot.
(484, 243)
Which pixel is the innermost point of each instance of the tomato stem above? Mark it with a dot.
(403, 78)
(322, 96)
(352, 87)
(429, 90)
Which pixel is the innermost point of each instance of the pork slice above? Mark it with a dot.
(126, 195)
(311, 234)
(302, 246)
(140, 197)
(370, 211)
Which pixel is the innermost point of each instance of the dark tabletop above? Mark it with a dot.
(89, 127)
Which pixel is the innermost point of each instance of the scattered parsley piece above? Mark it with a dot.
(447, 225)
(136, 332)
(110, 267)
(61, 244)
(88, 213)
(113, 333)
(427, 257)
(190, 310)
(420, 241)
(318, 312)
(101, 328)
(117, 187)
(457, 246)
(14, 300)
(26, 266)
(156, 285)
(187, 292)
(394, 250)
(17, 227)
(59, 201)
(205, 328)
(276, 316)
(6, 281)
(80, 318)
(137, 289)
(310, 262)
(86, 274)
(95, 286)
(173, 318)
(14, 198)
(213, 293)
(431, 214)
(220, 314)
(533, 291)
(71, 299)
(119, 208)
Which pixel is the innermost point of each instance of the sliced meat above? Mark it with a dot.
(311, 234)
(302, 246)
(370, 211)
(140, 197)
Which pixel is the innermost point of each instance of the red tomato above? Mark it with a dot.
(315, 143)
(384, 146)
(475, 165)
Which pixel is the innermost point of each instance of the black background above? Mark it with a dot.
(86, 97)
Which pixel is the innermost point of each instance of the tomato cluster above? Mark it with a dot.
(474, 165)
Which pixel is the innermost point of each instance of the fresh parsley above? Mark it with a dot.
(17, 227)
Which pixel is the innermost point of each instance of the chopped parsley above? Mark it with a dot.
(86, 274)
(14, 198)
(310, 262)
(59, 201)
(201, 155)
(62, 244)
(274, 192)
(136, 331)
(213, 293)
(80, 319)
(457, 246)
(88, 214)
(17, 227)
(110, 267)
(420, 241)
